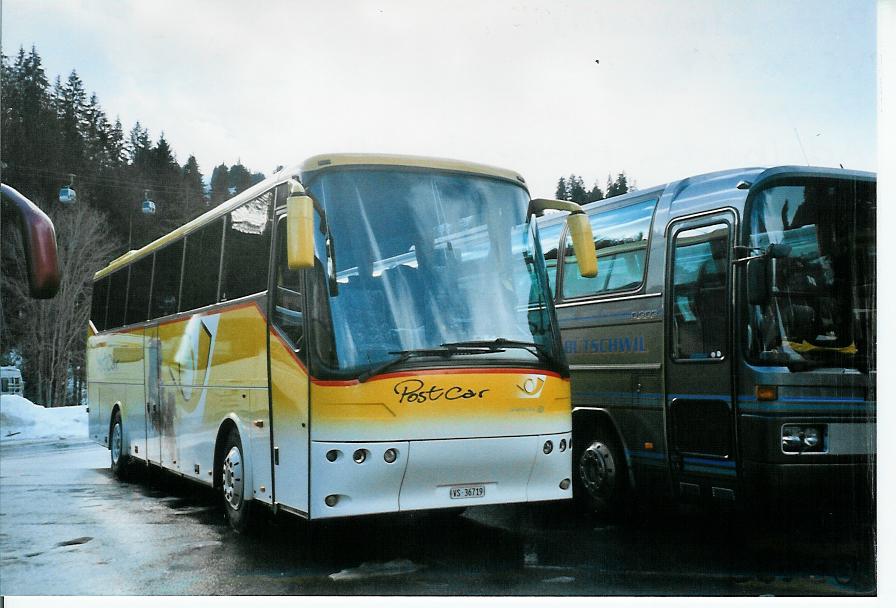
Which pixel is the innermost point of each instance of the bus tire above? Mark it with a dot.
(599, 474)
(233, 488)
(120, 459)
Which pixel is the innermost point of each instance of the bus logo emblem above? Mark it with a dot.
(532, 386)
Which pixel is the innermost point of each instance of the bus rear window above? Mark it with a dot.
(98, 304)
(118, 291)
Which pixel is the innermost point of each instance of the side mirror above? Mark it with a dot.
(579, 230)
(583, 244)
(300, 228)
(758, 290)
(39, 241)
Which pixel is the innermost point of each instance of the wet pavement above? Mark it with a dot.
(67, 527)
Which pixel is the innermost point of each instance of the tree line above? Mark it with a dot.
(57, 135)
(572, 188)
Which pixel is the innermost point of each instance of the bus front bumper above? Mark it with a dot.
(358, 478)
(849, 481)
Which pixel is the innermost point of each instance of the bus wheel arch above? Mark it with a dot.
(232, 475)
(601, 480)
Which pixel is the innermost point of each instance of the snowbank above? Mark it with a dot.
(21, 419)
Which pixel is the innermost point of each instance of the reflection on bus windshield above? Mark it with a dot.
(424, 259)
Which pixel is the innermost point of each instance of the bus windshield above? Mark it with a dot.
(821, 310)
(423, 259)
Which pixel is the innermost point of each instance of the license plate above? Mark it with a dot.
(467, 492)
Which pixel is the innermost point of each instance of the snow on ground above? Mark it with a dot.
(21, 419)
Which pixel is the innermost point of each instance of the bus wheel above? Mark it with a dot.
(600, 474)
(121, 460)
(232, 483)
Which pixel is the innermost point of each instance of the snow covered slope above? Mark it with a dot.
(20, 419)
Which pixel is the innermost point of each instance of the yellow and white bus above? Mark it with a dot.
(360, 334)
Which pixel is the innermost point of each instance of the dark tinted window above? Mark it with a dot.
(118, 291)
(98, 305)
(621, 243)
(166, 284)
(288, 295)
(138, 291)
(202, 264)
(246, 247)
(699, 292)
(550, 245)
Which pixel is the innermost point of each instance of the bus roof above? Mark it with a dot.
(315, 163)
(718, 181)
(322, 161)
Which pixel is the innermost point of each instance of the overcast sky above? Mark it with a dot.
(680, 87)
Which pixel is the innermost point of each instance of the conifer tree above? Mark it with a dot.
(577, 192)
(562, 192)
(239, 178)
(617, 187)
(220, 184)
(49, 132)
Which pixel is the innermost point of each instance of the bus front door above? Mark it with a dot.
(699, 393)
(289, 382)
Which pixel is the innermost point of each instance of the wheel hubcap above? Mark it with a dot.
(233, 477)
(116, 443)
(597, 470)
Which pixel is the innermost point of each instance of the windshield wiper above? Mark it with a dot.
(445, 350)
(499, 344)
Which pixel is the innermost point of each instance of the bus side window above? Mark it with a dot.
(202, 265)
(138, 291)
(166, 284)
(621, 243)
(247, 245)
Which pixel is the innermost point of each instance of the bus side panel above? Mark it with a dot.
(115, 369)
(615, 353)
(214, 368)
(99, 367)
(94, 375)
(133, 405)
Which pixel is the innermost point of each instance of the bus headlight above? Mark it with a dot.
(800, 438)
(359, 456)
(548, 447)
(390, 455)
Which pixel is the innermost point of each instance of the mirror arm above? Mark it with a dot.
(537, 206)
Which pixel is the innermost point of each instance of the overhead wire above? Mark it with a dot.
(102, 180)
